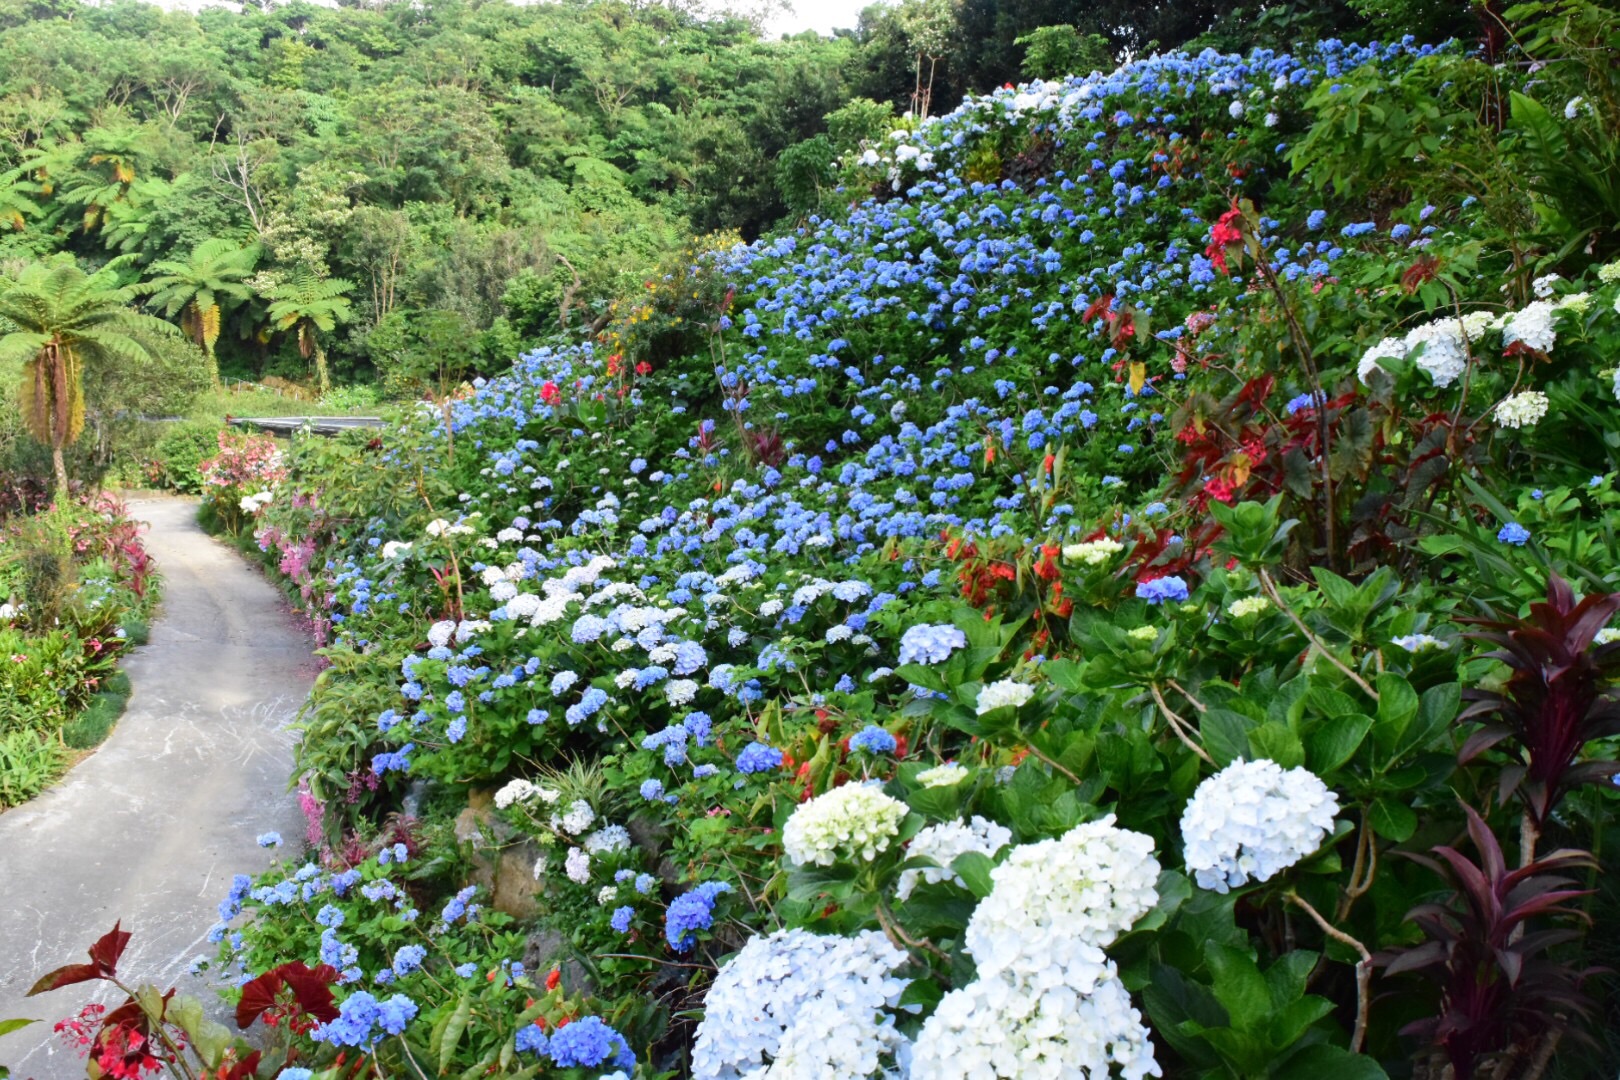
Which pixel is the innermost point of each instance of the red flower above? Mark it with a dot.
(550, 394)
(644, 368)
(1222, 235)
(554, 979)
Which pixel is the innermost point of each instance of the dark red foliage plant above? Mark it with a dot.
(1501, 992)
(1560, 696)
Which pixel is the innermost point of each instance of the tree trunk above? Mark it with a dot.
(61, 472)
(320, 369)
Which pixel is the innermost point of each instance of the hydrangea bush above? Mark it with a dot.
(1014, 623)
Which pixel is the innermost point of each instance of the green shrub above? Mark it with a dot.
(29, 763)
(179, 452)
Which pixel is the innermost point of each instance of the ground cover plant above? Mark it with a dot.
(76, 586)
(1128, 594)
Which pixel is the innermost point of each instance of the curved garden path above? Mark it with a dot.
(151, 827)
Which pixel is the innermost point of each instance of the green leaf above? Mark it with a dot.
(1226, 735)
(1392, 820)
(1239, 986)
(974, 868)
(1397, 707)
(1335, 742)
(453, 1031)
(1274, 741)
(1321, 1060)
(8, 1026)
(1065, 675)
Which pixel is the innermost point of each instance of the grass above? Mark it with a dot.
(217, 404)
(90, 727)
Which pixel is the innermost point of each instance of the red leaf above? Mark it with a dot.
(66, 976)
(312, 989)
(258, 996)
(244, 1069)
(105, 953)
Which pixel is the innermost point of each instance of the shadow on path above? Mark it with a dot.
(151, 827)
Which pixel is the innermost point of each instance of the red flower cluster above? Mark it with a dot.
(1224, 234)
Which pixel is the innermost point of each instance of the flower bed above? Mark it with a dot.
(75, 587)
(1012, 628)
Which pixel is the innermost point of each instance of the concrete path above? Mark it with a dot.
(151, 828)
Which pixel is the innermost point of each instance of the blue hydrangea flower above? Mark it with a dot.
(690, 912)
(1160, 590)
(587, 1043)
(930, 643)
(621, 918)
(756, 757)
(1514, 533)
(270, 839)
(874, 740)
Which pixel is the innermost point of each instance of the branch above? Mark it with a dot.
(1179, 726)
(1276, 598)
(1363, 967)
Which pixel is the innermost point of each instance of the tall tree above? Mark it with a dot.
(201, 285)
(309, 305)
(67, 321)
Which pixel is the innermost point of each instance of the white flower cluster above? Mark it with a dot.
(1055, 905)
(576, 819)
(947, 775)
(442, 527)
(1414, 643)
(943, 843)
(522, 791)
(1003, 694)
(1444, 345)
(1522, 410)
(1248, 605)
(577, 866)
(850, 822)
(1048, 1002)
(1252, 820)
(395, 547)
(1093, 552)
(1006, 1028)
(798, 1006)
(252, 504)
(1533, 325)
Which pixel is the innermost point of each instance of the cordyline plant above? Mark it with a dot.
(1560, 696)
(1501, 994)
(154, 1032)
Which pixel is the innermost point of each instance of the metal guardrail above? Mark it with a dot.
(320, 425)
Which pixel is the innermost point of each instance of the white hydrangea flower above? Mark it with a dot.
(1055, 905)
(490, 575)
(1577, 302)
(850, 822)
(1609, 273)
(1248, 605)
(1252, 820)
(1017, 1029)
(607, 894)
(578, 817)
(798, 1006)
(1391, 348)
(577, 866)
(1543, 285)
(609, 838)
(502, 591)
(680, 691)
(440, 633)
(1533, 326)
(1445, 349)
(1093, 552)
(1522, 410)
(1413, 643)
(1000, 695)
(394, 547)
(515, 791)
(947, 775)
(945, 842)
(1144, 635)
(541, 866)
